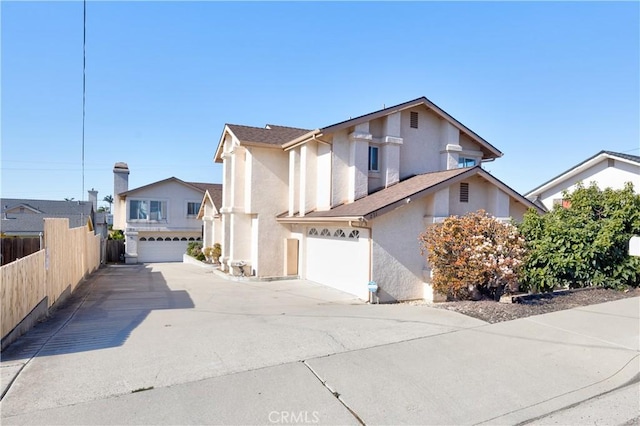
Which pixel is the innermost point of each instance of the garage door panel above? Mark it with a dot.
(161, 251)
(339, 262)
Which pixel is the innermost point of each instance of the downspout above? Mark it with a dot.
(353, 225)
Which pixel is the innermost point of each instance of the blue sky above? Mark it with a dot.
(549, 84)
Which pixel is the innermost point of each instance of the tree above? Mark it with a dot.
(473, 252)
(69, 199)
(108, 199)
(585, 242)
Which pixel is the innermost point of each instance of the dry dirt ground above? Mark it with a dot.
(492, 312)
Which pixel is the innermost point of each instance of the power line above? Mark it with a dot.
(84, 82)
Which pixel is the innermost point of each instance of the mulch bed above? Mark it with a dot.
(493, 312)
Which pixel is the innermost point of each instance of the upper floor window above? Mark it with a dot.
(193, 208)
(466, 162)
(149, 210)
(373, 159)
(413, 121)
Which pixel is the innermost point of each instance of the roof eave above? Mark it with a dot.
(586, 164)
(300, 140)
(320, 219)
(172, 178)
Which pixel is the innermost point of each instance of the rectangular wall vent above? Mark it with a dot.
(414, 120)
(464, 192)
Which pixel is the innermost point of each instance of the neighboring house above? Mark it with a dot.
(25, 217)
(607, 169)
(158, 219)
(210, 215)
(344, 205)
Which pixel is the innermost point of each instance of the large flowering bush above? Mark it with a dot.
(473, 252)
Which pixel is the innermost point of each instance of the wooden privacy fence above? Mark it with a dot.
(115, 251)
(16, 247)
(69, 255)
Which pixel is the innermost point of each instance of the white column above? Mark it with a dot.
(323, 178)
(450, 143)
(131, 246)
(391, 160)
(359, 141)
(293, 154)
(302, 186)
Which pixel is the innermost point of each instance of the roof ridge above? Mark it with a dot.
(288, 127)
(622, 155)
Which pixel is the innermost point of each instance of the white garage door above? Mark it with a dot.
(339, 258)
(161, 249)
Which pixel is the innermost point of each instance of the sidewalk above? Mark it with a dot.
(174, 344)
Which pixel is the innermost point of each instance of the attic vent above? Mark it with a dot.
(464, 192)
(611, 162)
(414, 120)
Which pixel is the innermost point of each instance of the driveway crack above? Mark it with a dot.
(335, 393)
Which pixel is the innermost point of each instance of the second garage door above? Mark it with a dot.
(161, 249)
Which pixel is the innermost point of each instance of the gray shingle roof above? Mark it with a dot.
(622, 155)
(383, 198)
(78, 212)
(270, 135)
(215, 190)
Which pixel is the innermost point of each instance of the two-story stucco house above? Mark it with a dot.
(158, 219)
(607, 169)
(344, 204)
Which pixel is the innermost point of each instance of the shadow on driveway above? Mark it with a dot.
(101, 314)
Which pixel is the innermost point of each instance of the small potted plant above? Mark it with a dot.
(208, 254)
(213, 254)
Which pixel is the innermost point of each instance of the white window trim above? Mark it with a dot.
(148, 200)
(186, 207)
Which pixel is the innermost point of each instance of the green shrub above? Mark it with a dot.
(584, 243)
(194, 249)
(116, 235)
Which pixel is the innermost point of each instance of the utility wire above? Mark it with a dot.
(84, 83)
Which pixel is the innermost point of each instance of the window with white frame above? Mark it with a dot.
(147, 210)
(466, 162)
(373, 159)
(193, 208)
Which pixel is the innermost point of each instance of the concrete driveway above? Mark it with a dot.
(177, 344)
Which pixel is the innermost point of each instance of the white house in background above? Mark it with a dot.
(158, 219)
(344, 205)
(210, 215)
(608, 169)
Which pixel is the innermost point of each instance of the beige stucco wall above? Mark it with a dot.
(602, 174)
(340, 168)
(269, 180)
(397, 263)
(420, 151)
